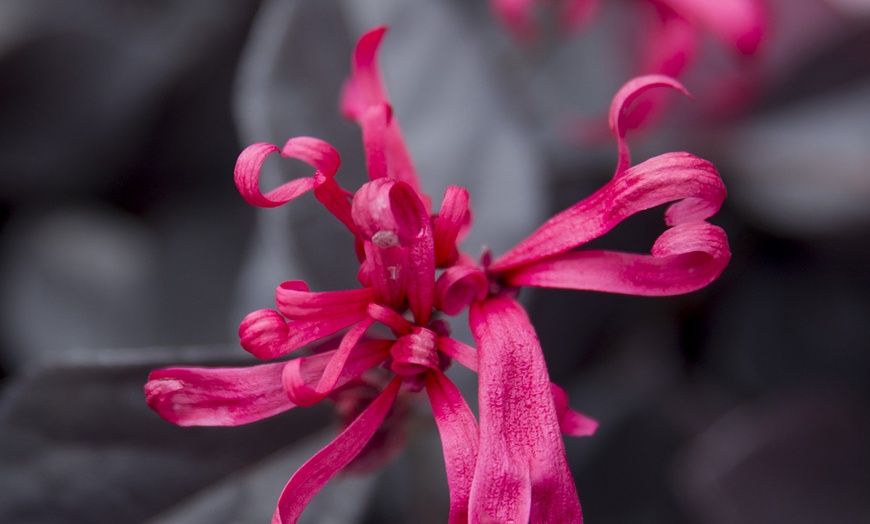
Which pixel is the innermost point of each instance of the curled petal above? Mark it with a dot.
(217, 396)
(685, 258)
(308, 380)
(315, 473)
(740, 24)
(297, 303)
(387, 269)
(522, 473)
(447, 226)
(265, 334)
(415, 353)
(622, 112)
(459, 440)
(390, 214)
(691, 182)
(572, 422)
(317, 153)
(458, 286)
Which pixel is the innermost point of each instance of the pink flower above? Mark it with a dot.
(672, 32)
(512, 466)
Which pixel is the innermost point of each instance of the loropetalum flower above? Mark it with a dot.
(509, 465)
(672, 32)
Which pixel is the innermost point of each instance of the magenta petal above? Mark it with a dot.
(739, 23)
(459, 440)
(296, 302)
(308, 380)
(572, 422)
(692, 182)
(575, 14)
(315, 473)
(390, 214)
(217, 396)
(621, 110)
(685, 258)
(453, 216)
(458, 286)
(317, 153)
(518, 17)
(464, 354)
(265, 334)
(522, 473)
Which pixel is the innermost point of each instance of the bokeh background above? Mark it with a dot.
(125, 247)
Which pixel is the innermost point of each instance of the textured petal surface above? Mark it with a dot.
(315, 473)
(459, 440)
(522, 473)
(296, 302)
(685, 258)
(317, 153)
(682, 177)
(217, 396)
(265, 334)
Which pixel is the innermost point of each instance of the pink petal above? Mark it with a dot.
(669, 45)
(315, 473)
(739, 23)
(317, 153)
(387, 272)
(265, 334)
(685, 258)
(388, 317)
(575, 14)
(459, 440)
(389, 213)
(365, 101)
(518, 17)
(296, 302)
(692, 182)
(621, 110)
(572, 422)
(217, 396)
(522, 473)
(452, 218)
(465, 355)
(458, 286)
(308, 380)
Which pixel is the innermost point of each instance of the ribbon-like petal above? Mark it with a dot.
(217, 396)
(308, 380)
(453, 217)
(317, 153)
(265, 334)
(623, 115)
(571, 422)
(685, 258)
(522, 473)
(315, 473)
(459, 440)
(296, 302)
(691, 182)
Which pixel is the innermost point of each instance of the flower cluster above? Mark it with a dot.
(671, 34)
(508, 464)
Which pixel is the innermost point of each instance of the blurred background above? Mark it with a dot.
(124, 247)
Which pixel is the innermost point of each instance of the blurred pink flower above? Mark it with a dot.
(672, 32)
(512, 467)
